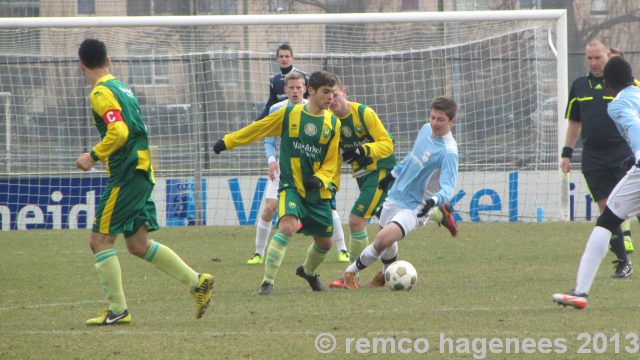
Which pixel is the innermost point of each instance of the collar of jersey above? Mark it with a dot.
(105, 78)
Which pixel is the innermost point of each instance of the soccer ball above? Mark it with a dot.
(400, 275)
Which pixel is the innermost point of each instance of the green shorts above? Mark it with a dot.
(316, 218)
(124, 209)
(370, 200)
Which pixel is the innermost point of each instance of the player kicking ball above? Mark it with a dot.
(624, 200)
(424, 179)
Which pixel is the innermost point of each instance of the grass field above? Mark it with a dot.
(494, 281)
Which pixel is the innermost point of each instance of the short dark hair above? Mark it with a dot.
(322, 78)
(446, 104)
(618, 73)
(93, 53)
(285, 47)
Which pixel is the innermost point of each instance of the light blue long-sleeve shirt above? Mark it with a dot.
(429, 170)
(624, 110)
(270, 144)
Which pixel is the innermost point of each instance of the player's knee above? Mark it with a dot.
(269, 211)
(356, 223)
(608, 220)
(137, 248)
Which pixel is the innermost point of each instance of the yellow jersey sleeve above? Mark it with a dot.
(103, 100)
(382, 146)
(104, 103)
(329, 171)
(270, 125)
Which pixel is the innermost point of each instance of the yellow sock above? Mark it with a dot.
(315, 257)
(275, 254)
(168, 261)
(358, 241)
(108, 268)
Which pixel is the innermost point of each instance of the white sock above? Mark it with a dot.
(388, 254)
(369, 256)
(594, 253)
(338, 233)
(262, 236)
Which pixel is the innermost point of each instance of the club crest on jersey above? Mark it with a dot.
(426, 156)
(292, 205)
(310, 129)
(326, 133)
(346, 131)
(359, 129)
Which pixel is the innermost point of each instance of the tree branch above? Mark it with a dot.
(591, 31)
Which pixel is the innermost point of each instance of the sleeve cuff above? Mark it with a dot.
(94, 156)
(271, 159)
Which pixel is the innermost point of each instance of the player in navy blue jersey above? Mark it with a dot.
(284, 57)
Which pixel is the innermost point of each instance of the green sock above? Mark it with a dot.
(108, 268)
(626, 229)
(275, 254)
(358, 241)
(436, 215)
(315, 257)
(169, 262)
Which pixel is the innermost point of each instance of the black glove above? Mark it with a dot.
(219, 146)
(354, 154)
(427, 206)
(312, 184)
(386, 181)
(629, 162)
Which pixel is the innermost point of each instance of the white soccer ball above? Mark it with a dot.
(400, 275)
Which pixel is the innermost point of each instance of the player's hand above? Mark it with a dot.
(565, 165)
(219, 147)
(430, 203)
(354, 154)
(629, 162)
(385, 183)
(312, 184)
(85, 162)
(273, 170)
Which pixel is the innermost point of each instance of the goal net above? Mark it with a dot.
(199, 78)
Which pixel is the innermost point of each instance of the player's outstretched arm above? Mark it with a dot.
(269, 126)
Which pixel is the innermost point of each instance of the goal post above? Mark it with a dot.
(200, 77)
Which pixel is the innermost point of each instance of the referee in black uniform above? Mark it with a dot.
(604, 149)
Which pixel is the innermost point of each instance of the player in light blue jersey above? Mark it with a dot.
(295, 89)
(624, 200)
(425, 178)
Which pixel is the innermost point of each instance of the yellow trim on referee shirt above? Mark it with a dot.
(105, 220)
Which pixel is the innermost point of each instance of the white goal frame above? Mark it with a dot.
(559, 44)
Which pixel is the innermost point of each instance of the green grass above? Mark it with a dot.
(492, 281)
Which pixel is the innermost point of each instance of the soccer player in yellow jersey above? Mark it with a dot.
(125, 205)
(309, 175)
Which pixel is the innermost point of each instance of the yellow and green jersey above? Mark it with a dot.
(124, 145)
(362, 127)
(308, 147)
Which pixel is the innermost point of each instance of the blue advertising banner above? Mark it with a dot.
(49, 202)
(181, 206)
